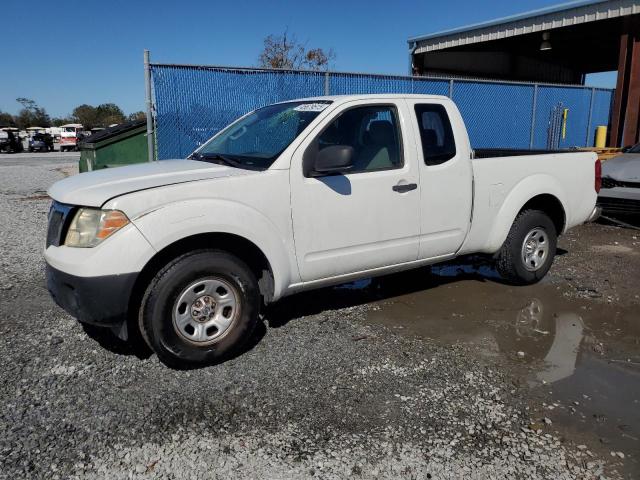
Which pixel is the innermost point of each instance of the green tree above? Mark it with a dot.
(109, 113)
(101, 116)
(285, 52)
(57, 121)
(7, 120)
(86, 115)
(31, 114)
(137, 116)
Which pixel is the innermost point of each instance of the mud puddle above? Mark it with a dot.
(579, 359)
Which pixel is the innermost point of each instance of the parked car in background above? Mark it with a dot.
(70, 135)
(620, 194)
(41, 142)
(296, 196)
(10, 141)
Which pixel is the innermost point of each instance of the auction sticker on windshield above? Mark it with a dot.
(311, 107)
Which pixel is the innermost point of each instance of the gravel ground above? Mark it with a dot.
(325, 395)
(604, 268)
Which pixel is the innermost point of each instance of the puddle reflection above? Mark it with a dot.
(585, 355)
(563, 354)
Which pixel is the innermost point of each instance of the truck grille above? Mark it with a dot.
(619, 205)
(59, 219)
(608, 182)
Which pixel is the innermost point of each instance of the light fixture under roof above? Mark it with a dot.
(546, 43)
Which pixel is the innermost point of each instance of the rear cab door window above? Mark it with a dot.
(436, 135)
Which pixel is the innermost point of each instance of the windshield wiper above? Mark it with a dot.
(217, 158)
(225, 160)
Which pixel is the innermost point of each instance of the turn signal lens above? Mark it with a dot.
(111, 221)
(91, 226)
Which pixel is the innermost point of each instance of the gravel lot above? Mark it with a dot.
(325, 391)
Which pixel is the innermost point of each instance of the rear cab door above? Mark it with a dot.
(366, 217)
(446, 176)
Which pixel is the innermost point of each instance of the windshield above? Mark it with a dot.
(634, 149)
(255, 141)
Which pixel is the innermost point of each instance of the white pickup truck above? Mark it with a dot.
(294, 196)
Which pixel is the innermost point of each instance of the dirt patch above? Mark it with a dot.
(67, 170)
(35, 197)
(613, 249)
(599, 262)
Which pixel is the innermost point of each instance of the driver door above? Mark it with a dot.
(365, 217)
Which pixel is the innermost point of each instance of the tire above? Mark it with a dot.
(179, 329)
(522, 264)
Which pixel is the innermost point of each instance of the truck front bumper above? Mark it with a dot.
(102, 301)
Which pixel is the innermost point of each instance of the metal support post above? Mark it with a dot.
(533, 116)
(147, 83)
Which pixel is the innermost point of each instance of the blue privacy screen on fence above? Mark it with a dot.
(192, 103)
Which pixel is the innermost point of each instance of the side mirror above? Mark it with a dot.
(333, 159)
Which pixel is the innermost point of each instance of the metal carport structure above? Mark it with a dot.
(559, 44)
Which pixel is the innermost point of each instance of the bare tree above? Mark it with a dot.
(285, 52)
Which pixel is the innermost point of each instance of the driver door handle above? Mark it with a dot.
(404, 187)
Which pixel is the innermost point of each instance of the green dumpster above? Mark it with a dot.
(123, 144)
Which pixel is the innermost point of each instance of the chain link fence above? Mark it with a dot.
(192, 103)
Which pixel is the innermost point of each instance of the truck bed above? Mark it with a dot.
(502, 186)
(512, 152)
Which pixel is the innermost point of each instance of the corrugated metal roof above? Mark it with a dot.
(556, 16)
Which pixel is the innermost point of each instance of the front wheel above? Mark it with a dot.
(527, 253)
(200, 308)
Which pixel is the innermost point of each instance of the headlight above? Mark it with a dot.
(91, 226)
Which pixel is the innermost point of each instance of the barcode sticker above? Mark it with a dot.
(311, 107)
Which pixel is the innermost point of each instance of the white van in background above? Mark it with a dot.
(55, 133)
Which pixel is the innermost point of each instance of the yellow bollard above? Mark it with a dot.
(601, 136)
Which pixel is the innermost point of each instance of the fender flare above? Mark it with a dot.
(521, 193)
(174, 222)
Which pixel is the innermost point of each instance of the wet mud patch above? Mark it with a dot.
(578, 360)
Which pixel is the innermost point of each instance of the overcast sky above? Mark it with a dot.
(65, 53)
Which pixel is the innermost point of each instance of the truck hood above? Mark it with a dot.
(93, 189)
(624, 168)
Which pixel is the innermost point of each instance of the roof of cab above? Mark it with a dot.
(367, 96)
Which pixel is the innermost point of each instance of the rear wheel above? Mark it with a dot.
(200, 308)
(527, 253)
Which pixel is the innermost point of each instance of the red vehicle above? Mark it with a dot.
(70, 136)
